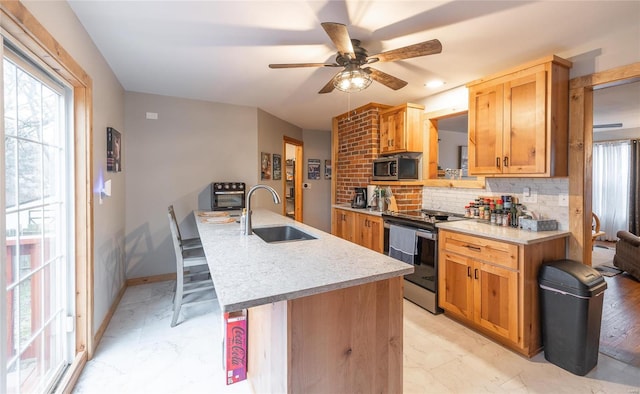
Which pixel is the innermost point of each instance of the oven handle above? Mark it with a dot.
(427, 234)
(238, 192)
(419, 232)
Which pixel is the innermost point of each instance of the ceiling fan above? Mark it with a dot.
(352, 57)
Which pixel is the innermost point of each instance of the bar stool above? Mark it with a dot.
(188, 242)
(186, 282)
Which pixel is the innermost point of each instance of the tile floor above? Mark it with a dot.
(140, 353)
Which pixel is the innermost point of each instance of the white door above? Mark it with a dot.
(38, 269)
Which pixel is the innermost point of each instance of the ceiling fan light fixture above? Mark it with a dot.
(352, 79)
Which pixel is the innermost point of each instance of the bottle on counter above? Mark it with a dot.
(514, 215)
(243, 220)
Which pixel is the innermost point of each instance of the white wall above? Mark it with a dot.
(174, 160)
(271, 132)
(317, 198)
(108, 110)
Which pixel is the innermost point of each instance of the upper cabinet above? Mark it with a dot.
(518, 121)
(401, 129)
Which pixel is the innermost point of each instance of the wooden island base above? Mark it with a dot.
(342, 341)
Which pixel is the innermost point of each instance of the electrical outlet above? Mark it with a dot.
(563, 200)
(531, 198)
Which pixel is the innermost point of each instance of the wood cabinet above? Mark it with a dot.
(344, 224)
(401, 129)
(491, 285)
(518, 121)
(360, 228)
(370, 232)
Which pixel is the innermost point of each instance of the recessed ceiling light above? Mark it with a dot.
(434, 84)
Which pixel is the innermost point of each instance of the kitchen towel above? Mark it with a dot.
(403, 244)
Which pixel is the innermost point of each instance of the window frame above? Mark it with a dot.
(17, 22)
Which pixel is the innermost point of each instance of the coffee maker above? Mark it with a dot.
(359, 198)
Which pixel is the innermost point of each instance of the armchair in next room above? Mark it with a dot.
(627, 256)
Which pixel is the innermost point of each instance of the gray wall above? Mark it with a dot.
(317, 198)
(108, 110)
(173, 160)
(271, 132)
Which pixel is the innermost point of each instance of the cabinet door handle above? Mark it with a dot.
(498, 162)
(469, 272)
(475, 273)
(474, 248)
(506, 161)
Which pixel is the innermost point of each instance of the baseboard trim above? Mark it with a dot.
(107, 318)
(150, 279)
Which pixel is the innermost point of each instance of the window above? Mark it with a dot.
(38, 225)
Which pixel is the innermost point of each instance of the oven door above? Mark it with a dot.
(228, 200)
(421, 287)
(425, 263)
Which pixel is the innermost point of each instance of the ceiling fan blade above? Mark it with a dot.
(387, 80)
(328, 88)
(340, 37)
(296, 65)
(430, 47)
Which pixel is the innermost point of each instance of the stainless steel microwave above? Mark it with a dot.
(394, 169)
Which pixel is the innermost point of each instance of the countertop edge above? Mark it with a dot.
(311, 291)
(367, 211)
(506, 234)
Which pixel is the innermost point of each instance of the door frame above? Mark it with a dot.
(297, 181)
(581, 153)
(16, 20)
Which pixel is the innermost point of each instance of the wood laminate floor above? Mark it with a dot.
(620, 329)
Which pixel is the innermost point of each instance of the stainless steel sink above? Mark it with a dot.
(281, 234)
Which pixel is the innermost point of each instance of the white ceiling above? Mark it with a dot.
(220, 50)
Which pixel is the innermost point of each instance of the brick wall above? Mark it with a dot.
(408, 198)
(358, 144)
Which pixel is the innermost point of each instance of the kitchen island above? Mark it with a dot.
(324, 315)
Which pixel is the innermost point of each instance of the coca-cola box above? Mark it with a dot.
(235, 346)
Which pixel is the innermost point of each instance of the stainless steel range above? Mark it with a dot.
(420, 287)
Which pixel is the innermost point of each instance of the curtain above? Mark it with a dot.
(611, 184)
(634, 188)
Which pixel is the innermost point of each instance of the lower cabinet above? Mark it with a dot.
(361, 228)
(491, 285)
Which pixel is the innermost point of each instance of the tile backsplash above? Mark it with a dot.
(547, 190)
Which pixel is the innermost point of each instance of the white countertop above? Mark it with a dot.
(507, 234)
(248, 272)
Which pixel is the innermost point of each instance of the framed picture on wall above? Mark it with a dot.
(327, 169)
(313, 169)
(265, 164)
(277, 167)
(114, 149)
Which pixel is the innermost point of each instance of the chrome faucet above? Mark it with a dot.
(276, 199)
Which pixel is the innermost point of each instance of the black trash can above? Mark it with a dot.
(571, 297)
